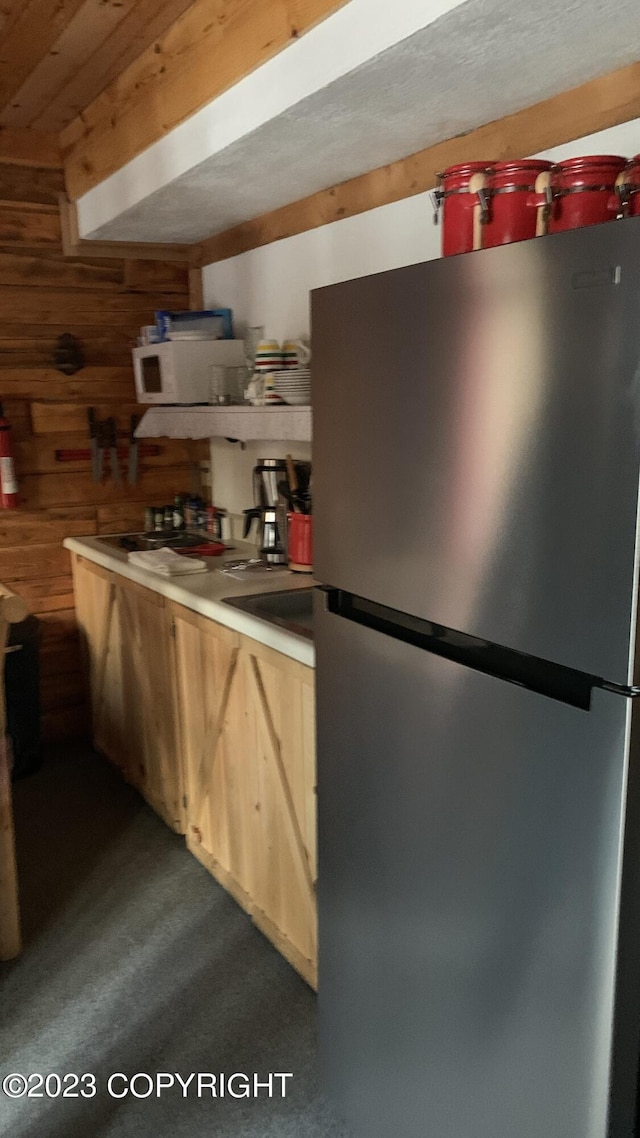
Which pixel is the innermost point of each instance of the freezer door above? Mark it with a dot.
(470, 855)
(477, 443)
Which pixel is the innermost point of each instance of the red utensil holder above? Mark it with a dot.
(301, 542)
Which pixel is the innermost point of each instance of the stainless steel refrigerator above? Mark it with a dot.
(476, 474)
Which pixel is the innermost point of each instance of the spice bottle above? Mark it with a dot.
(178, 513)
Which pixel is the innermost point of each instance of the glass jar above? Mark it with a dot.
(227, 385)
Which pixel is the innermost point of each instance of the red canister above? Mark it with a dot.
(583, 191)
(455, 201)
(301, 542)
(629, 188)
(511, 214)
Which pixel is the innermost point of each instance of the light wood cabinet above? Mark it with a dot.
(126, 635)
(247, 727)
(218, 733)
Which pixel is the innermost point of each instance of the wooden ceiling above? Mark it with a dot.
(56, 56)
(89, 84)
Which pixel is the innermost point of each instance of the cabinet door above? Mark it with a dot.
(281, 696)
(247, 728)
(218, 767)
(149, 699)
(97, 616)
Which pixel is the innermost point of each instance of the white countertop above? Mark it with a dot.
(204, 592)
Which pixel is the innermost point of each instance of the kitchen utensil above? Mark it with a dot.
(285, 493)
(251, 340)
(477, 191)
(133, 450)
(543, 202)
(147, 450)
(255, 390)
(102, 444)
(292, 478)
(268, 355)
(293, 386)
(295, 354)
(227, 386)
(270, 394)
(113, 449)
(267, 473)
(93, 443)
(270, 537)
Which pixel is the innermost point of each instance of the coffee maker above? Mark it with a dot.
(269, 510)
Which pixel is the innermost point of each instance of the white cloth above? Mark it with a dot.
(167, 562)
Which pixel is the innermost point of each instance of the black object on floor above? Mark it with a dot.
(22, 694)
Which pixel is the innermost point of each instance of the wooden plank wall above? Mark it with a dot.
(103, 303)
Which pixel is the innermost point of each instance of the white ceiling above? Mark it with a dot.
(476, 62)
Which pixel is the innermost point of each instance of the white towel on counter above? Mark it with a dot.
(167, 562)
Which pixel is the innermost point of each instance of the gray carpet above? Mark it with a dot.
(137, 961)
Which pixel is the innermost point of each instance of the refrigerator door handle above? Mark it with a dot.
(629, 691)
(542, 676)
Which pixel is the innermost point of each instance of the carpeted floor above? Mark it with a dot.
(136, 961)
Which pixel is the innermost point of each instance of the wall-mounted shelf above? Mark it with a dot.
(244, 423)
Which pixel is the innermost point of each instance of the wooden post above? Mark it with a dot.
(12, 610)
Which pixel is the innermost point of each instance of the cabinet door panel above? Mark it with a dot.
(207, 657)
(284, 882)
(149, 700)
(248, 740)
(97, 615)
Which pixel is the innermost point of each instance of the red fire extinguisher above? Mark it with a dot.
(9, 496)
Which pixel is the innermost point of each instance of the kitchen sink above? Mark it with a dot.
(291, 609)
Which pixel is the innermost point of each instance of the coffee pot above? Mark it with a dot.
(268, 510)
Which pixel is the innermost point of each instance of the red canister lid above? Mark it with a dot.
(462, 171)
(612, 163)
(534, 164)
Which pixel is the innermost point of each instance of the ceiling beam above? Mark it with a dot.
(75, 246)
(30, 148)
(213, 45)
(594, 106)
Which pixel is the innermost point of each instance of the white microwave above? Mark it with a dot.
(177, 371)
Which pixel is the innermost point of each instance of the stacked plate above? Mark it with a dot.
(293, 386)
